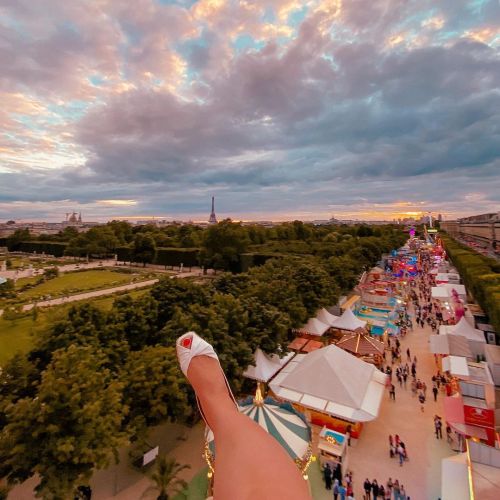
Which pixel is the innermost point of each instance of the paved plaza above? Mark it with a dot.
(369, 457)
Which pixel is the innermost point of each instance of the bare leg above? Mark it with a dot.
(249, 463)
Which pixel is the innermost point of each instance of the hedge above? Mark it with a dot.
(40, 247)
(481, 276)
(189, 257)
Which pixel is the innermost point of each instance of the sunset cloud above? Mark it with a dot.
(275, 107)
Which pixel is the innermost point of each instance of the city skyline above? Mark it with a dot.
(280, 109)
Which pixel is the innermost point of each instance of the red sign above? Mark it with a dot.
(479, 416)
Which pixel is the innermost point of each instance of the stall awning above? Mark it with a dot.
(454, 409)
(297, 344)
(350, 302)
(470, 430)
(457, 366)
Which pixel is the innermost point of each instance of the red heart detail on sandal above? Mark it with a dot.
(187, 342)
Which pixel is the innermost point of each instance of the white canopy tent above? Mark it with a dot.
(457, 366)
(314, 327)
(349, 321)
(265, 366)
(455, 478)
(450, 345)
(465, 329)
(440, 293)
(318, 381)
(327, 318)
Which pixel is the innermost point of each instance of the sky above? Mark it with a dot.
(281, 109)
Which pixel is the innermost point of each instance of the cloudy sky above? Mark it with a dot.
(280, 108)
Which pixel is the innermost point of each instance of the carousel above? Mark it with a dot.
(280, 420)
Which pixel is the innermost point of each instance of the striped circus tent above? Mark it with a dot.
(281, 421)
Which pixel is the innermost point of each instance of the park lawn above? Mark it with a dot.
(15, 336)
(71, 283)
(18, 335)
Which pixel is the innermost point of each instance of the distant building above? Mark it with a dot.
(483, 229)
(212, 219)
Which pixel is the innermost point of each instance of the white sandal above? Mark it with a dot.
(190, 345)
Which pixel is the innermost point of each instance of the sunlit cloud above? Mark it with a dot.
(280, 108)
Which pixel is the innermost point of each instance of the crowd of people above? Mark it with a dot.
(377, 491)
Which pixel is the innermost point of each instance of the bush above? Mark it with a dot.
(189, 257)
(480, 275)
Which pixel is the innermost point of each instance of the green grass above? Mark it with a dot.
(71, 283)
(18, 335)
(197, 487)
(15, 336)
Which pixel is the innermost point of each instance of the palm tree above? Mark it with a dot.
(165, 478)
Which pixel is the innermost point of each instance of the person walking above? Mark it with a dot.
(391, 447)
(435, 392)
(381, 492)
(396, 489)
(342, 491)
(367, 486)
(335, 489)
(392, 392)
(388, 489)
(408, 356)
(327, 476)
(402, 493)
(401, 454)
(375, 489)
(421, 399)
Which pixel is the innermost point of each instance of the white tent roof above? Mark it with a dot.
(318, 380)
(327, 318)
(457, 366)
(455, 478)
(440, 292)
(348, 321)
(455, 345)
(465, 329)
(266, 366)
(460, 289)
(315, 327)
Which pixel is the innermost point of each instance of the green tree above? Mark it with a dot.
(70, 429)
(14, 240)
(155, 387)
(171, 293)
(223, 244)
(144, 249)
(165, 478)
(137, 320)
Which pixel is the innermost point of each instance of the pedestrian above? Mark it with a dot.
(327, 476)
(391, 447)
(335, 489)
(388, 489)
(396, 489)
(421, 399)
(392, 392)
(408, 354)
(424, 388)
(342, 491)
(402, 493)
(401, 455)
(381, 491)
(374, 489)
(367, 486)
(435, 392)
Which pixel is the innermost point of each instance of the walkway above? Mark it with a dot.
(369, 457)
(89, 295)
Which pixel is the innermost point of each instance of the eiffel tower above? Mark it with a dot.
(213, 218)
